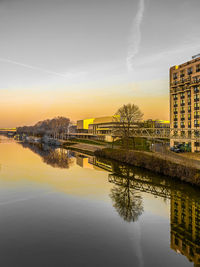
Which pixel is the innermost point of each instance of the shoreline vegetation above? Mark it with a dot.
(153, 162)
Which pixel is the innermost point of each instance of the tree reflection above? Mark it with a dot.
(58, 159)
(126, 200)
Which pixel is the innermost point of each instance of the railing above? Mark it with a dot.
(165, 133)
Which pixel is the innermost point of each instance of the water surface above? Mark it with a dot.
(61, 208)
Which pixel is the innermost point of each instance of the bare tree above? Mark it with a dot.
(58, 125)
(126, 118)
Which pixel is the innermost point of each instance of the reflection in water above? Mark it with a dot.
(185, 226)
(126, 200)
(57, 158)
(184, 208)
(127, 193)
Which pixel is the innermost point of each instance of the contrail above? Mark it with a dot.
(33, 67)
(135, 38)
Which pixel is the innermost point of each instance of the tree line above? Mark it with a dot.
(58, 124)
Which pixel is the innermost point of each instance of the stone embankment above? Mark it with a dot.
(161, 164)
(85, 148)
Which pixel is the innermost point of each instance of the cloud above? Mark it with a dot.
(135, 39)
(68, 75)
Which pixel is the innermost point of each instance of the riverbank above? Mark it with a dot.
(83, 147)
(155, 162)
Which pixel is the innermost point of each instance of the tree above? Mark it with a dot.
(56, 125)
(127, 117)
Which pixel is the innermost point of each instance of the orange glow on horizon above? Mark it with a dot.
(24, 107)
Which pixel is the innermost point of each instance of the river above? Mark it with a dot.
(63, 208)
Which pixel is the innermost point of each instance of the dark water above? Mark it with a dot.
(60, 208)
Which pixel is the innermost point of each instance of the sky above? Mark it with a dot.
(86, 58)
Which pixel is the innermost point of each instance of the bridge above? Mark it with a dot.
(165, 133)
(7, 130)
(142, 184)
(150, 133)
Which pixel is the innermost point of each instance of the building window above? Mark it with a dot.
(182, 124)
(198, 68)
(182, 73)
(196, 89)
(189, 93)
(182, 102)
(196, 114)
(196, 97)
(175, 125)
(189, 71)
(175, 76)
(196, 123)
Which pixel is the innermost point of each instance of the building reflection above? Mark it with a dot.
(184, 204)
(185, 226)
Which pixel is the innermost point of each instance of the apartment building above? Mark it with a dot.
(185, 102)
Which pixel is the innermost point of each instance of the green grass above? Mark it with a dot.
(140, 144)
(88, 141)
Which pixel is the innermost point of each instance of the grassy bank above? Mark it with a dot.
(152, 162)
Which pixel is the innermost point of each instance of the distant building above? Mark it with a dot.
(185, 101)
(83, 125)
(101, 128)
(97, 128)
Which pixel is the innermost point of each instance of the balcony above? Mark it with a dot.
(195, 81)
(187, 80)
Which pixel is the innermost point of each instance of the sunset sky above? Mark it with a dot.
(86, 58)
